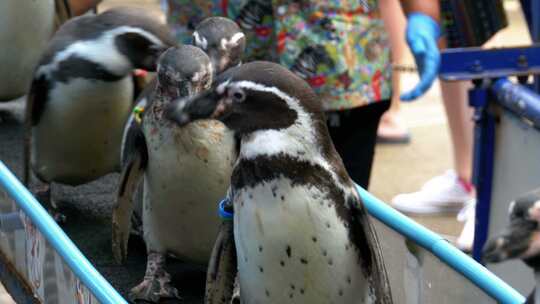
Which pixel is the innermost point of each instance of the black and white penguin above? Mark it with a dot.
(25, 28)
(301, 233)
(224, 43)
(82, 93)
(521, 238)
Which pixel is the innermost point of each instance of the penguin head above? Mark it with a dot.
(183, 71)
(140, 51)
(140, 37)
(222, 40)
(254, 96)
(521, 238)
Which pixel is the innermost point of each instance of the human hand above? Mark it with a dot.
(422, 34)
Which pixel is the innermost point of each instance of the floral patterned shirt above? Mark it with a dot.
(340, 47)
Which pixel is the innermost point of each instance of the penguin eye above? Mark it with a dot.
(238, 95)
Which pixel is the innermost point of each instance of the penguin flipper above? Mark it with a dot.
(35, 105)
(222, 267)
(364, 230)
(130, 177)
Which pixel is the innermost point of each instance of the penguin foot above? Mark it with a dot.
(235, 299)
(154, 289)
(43, 195)
(156, 284)
(58, 217)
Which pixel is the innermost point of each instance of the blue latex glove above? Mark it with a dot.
(422, 34)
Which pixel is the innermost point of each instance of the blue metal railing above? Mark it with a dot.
(434, 243)
(56, 237)
(520, 100)
(105, 293)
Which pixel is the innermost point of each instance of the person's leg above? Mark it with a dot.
(461, 127)
(391, 127)
(460, 124)
(354, 134)
(452, 190)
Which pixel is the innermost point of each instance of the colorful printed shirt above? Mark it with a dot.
(340, 47)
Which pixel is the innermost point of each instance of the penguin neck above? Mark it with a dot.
(296, 141)
(305, 141)
(166, 94)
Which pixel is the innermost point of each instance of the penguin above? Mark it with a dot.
(221, 39)
(299, 233)
(184, 169)
(224, 42)
(25, 28)
(82, 93)
(521, 238)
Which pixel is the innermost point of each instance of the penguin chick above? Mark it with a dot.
(521, 238)
(82, 94)
(187, 170)
(224, 42)
(300, 230)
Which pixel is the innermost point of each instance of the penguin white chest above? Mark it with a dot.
(293, 247)
(79, 134)
(188, 173)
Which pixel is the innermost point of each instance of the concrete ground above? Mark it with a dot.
(397, 169)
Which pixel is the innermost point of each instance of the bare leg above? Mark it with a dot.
(449, 191)
(391, 125)
(157, 282)
(460, 125)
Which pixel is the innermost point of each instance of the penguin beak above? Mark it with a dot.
(520, 240)
(201, 106)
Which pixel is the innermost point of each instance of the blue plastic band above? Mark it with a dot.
(224, 214)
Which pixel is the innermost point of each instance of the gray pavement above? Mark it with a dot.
(397, 169)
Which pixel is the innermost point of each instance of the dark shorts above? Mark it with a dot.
(354, 133)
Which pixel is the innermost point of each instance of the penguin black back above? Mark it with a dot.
(91, 27)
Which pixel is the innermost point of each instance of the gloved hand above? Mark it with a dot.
(422, 34)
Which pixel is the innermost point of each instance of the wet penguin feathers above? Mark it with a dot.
(173, 66)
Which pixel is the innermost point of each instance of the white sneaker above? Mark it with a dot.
(465, 240)
(443, 193)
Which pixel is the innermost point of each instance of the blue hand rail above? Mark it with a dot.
(105, 293)
(450, 255)
(73, 257)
